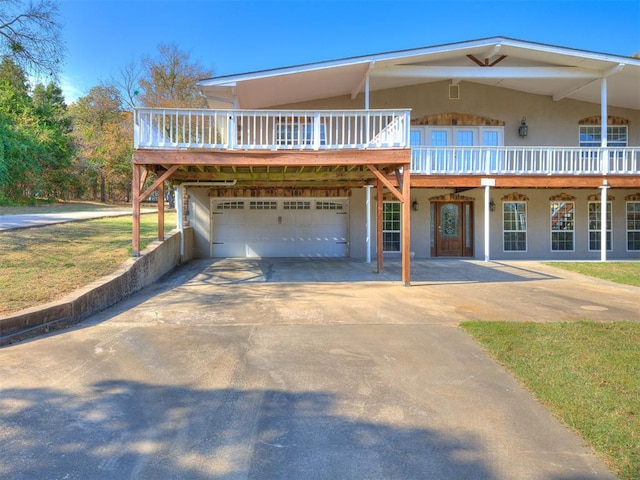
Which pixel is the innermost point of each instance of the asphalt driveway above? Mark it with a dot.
(295, 369)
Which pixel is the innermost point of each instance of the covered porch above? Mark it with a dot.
(258, 151)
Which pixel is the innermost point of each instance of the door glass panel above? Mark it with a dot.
(450, 220)
(464, 138)
(467, 225)
(490, 139)
(439, 138)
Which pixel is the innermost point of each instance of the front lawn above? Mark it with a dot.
(39, 265)
(586, 373)
(627, 273)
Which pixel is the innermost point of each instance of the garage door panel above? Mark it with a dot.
(279, 227)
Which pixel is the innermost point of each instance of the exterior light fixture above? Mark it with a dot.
(492, 206)
(523, 129)
(415, 205)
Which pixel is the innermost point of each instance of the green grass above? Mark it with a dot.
(586, 373)
(627, 273)
(39, 265)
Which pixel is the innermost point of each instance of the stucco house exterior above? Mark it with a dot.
(486, 149)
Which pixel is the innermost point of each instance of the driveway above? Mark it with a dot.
(298, 369)
(12, 222)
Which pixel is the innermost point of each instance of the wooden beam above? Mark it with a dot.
(159, 180)
(161, 211)
(386, 182)
(397, 156)
(135, 200)
(406, 225)
(379, 218)
(526, 181)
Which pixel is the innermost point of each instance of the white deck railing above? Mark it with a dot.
(157, 128)
(524, 161)
(270, 129)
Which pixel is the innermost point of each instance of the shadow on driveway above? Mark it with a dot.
(126, 429)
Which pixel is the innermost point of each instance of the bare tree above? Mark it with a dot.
(128, 83)
(169, 79)
(31, 35)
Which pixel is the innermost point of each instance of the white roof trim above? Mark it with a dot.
(563, 72)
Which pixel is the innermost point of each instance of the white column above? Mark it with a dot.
(368, 226)
(487, 183)
(603, 112)
(604, 155)
(603, 222)
(366, 92)
(487, 221)
(178, 192)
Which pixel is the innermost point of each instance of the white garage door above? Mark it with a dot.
(278, 227)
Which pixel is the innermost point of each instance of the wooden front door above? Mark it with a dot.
(452, 229)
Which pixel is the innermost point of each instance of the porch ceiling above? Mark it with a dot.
(528, 67)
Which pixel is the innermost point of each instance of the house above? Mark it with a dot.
(488, 149)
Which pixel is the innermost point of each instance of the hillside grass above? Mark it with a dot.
(39, 265)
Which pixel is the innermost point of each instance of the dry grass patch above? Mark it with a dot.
(39, 265)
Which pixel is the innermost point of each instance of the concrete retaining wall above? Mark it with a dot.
(156, 260)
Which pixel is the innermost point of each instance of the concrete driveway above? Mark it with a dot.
(28, 220)
(298, 369)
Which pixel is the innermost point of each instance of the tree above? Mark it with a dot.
(169, 79)
(105, 140)
(31, 35)
(55, 127)
(35, 143)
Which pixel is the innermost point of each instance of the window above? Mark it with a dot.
(633, 226)
(320, 205)
(514, 226)
(591, 135)
(231, 205)
(296, 205)
(298, 134)
(594, 221)
(562, 226)
(391, 227)
(263, 205)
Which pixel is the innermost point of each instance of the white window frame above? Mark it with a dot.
(636, 225)
(594, 225)
(554, 232)
(519, 221)
(424, 133)
(288, 134)
(594, 132)
(391, 231)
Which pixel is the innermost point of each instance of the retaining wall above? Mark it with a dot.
(136, 273)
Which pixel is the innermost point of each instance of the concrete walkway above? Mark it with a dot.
(12, 222)
(298, 369)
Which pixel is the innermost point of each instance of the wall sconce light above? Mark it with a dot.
(492, 206)
(415, 205)
(523, 129)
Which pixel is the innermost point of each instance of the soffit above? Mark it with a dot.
(292, 85)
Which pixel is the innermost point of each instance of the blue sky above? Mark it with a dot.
(238, 36)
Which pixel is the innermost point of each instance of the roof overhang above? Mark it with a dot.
(528, 67)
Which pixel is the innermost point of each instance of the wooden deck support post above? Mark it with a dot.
(379, 214)
(135, 201)
(406, 225)
(161, 211)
